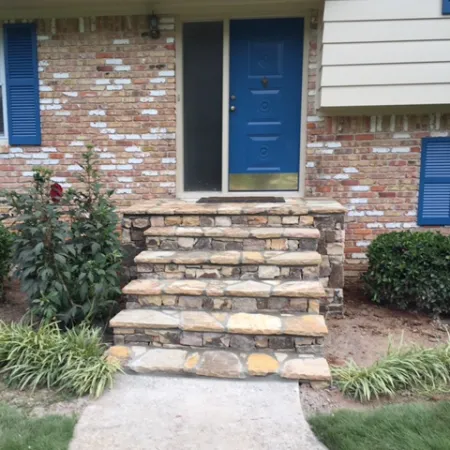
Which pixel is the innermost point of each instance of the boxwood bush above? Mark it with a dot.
(410, 271)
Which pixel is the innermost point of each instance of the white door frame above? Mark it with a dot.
(226, 105)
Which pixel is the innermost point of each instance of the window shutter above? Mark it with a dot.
(434, 191)
(445, 6)
(22, 84)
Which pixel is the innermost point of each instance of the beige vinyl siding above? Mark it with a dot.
(385, 53)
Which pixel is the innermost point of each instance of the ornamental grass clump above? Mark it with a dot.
(415, 368)
(72, 361)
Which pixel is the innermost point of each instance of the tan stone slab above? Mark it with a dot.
(119, 352)
(189, 231)
(295, 259)
(266, 233)
(216, 288)
(252, 258)
(311, 289)
(308, 369)
(199, 321)
(160, 231)
(301, 233)
(230, 257)
(220, 364)
(160, 360)
(306, 325)
(191, 362)
(260, 364)
(248, 288)
(191, 257)
(154, 257)
(145, 318)
(324, 206)
(245, 323)
(143, 287)
(186, 287)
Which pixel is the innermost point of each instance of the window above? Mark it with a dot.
(445, 6)
(434, 191)
(21, 85)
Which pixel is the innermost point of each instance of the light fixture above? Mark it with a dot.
(155, 33)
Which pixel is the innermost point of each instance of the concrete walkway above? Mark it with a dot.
(169, 413)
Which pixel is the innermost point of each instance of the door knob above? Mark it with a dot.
(232, 108)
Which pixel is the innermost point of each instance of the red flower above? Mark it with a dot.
(56, 192)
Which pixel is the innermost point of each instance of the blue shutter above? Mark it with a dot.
(22, 84)
(445, 6)
(434, 191)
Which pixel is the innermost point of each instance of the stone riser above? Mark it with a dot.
(208, 271)
(191, 339)
(213, 220)
(236, 304)
(221, 244)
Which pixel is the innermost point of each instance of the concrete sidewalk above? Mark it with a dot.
(169, 413)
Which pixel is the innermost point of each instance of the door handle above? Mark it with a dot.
(232, 108)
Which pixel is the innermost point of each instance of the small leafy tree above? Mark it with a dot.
(67, 250)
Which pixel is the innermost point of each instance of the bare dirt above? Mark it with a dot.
(364, 334)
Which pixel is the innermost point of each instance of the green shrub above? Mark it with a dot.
(410, 271)
(426, 369)
(6, 241)
(73, 361)
(67, 251)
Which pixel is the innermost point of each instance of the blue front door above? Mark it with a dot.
(265, 102)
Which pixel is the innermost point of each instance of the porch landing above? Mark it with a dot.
(231, 289)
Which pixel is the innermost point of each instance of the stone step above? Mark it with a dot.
(227, 288)
(230, 238)
(246, 265)
(223, 363)
(243, 331)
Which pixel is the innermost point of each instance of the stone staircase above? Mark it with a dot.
(230, 290)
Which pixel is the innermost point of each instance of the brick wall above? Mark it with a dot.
(103, 83)
(368, 163)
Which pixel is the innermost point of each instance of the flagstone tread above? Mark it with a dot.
(234, 232)
(230, 288)
(311, 325)
(231, 257)
(223, 363)
(292, 206)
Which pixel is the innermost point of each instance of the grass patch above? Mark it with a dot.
(398, 427)
(416, 368)
(20, 432)
(71, 361)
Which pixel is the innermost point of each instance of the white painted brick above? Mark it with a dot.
(167, 184)
(168, 172)
(150, 137)
(170, 40)
(135, 160)
(43, 63)
(102, 82)
(98, 125)
(46, 89)
(117, 137)
(168, 160)
(411, 213)
(27, 174)
(356, 213)
(108, 131)
(314, 145)
(42, 162)
(97, 112)
(59, 179)
(360, 188)
(125, 179)
(70, 94)
(116, 87)
(68, 156)
(63, 113)
(333, 144)
(146, 99)
(310, 165)
(114, 61)
(393, 225)
(167, 73)
(60, 75)
(38, 156)
(107, 155)
(401, 150)
(122, 81)
(158, 80)
(401, 136)
(43, 38)
(124, 191)
(122, 68)
(439, 134)
(77, 144)
(133, 149)
(341, 176)
(132, 137)
(158, 130)
(121, 41)
(325, 151)
(150, 112)
(375, 213)
(363, 243)
(159, 93)
(359, 201)
(410, 225)
(17, 150)
(51, 107)
(375, 225)
(107, 167)
(359, 256)
(322, 176)
(351, 170)
(381, 150)
(315, 119)
(124, 167)
(150, 173)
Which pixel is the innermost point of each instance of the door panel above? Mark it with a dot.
(265, 103)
